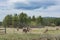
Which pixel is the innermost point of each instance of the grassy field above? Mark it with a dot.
(51, 30)
(34, 34)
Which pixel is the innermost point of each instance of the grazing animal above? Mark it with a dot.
(26, 29)
(45, 30)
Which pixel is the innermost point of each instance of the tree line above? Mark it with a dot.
(23, 19)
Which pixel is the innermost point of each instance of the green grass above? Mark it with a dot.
(28, 36)
(19, 36)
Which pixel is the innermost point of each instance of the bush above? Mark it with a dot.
(57, 28)
(53, 25)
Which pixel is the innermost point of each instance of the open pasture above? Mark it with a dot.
(34, 34)
(51, 30)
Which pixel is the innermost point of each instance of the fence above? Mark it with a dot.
(2, 30)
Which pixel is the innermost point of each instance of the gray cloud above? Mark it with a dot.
(33, 5)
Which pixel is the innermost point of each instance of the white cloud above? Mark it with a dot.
(52, 11)
(55, 8)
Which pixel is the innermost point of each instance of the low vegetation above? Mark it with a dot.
(29, 37)
(34, 34)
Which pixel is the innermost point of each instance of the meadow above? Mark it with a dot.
(34, 34)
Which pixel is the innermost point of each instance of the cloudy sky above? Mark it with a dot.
(45, 8)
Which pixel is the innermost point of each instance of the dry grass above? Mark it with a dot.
(34, 34)
(51, 30)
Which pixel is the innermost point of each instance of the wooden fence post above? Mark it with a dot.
(5, 29)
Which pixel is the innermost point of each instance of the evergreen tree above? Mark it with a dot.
(39, 20)
(15, 21)
(23, 19)
(7, 21)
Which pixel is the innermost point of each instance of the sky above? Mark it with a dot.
(44, 8)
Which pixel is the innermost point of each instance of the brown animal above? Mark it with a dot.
(45, 30)
(26, 30)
